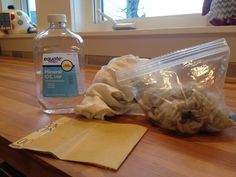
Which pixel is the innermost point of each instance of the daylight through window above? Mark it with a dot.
(32, 10)
(123, 9)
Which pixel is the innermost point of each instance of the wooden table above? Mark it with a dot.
(157, 154)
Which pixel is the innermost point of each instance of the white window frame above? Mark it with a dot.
(175, 21)
(19, 4)
(96, 17)
(22, 4)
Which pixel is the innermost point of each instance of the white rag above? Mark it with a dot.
(105, 97)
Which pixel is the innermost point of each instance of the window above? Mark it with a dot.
(31, 10)
(123, 9)
(28, 6)
(150, 14)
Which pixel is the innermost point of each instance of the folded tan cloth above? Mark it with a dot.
(105, 97)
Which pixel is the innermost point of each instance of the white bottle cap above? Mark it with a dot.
(56, 18)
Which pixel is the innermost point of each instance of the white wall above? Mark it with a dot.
(45, 7)
(152, 45)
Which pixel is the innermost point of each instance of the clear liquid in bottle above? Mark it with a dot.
(59, 67)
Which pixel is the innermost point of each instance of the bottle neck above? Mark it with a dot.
(57, 25)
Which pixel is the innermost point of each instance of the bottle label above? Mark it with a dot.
(60, 74)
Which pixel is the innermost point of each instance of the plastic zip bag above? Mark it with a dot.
(183, 91)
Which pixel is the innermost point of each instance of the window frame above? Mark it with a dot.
(97, 4)
(172, 21)
(23, 5)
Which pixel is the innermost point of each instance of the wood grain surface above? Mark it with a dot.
(157, 155)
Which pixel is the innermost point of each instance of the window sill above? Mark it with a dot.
(17, 36)
(138, 32)
(162, 31)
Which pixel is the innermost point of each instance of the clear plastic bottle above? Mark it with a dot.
(59, 66)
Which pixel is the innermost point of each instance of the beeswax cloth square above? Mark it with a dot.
(100, 143)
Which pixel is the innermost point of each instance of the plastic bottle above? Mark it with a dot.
(59, 66)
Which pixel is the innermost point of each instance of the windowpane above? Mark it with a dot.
(123, 9)
(32, 10)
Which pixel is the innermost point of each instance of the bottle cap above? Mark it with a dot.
(56, 18)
